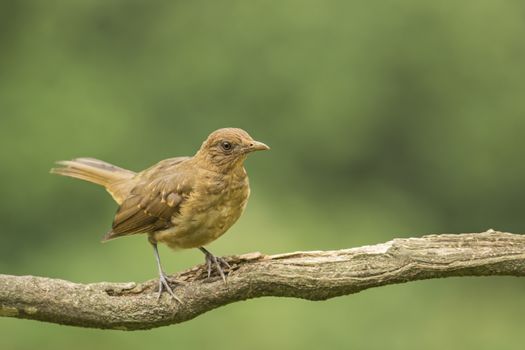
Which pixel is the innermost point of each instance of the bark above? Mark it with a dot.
(313, 275)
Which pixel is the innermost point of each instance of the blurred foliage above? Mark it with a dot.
(386, 119)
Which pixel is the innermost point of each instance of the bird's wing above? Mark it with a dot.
(153, 201)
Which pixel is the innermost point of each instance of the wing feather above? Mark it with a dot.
(154, 200)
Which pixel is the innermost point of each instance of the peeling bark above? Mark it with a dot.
(313, 275)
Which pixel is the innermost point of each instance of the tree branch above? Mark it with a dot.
(315, 275)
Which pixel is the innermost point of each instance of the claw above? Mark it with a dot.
(164, 285)
(163, 279)
(212, 260)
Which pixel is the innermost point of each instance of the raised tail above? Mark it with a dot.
(117, 181)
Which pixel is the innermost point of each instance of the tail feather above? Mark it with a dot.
(114, 179)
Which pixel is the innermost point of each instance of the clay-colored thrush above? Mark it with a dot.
(184, 202)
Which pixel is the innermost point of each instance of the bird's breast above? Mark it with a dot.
(209, 211)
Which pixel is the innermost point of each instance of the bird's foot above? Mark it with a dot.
(218, 263)
(164, 285)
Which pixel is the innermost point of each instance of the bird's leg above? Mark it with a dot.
(212, 260)
(163, 279)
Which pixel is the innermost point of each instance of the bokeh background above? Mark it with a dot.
(386, 119)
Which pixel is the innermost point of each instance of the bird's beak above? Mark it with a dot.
(257, 146)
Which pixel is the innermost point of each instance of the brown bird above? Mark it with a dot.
(184, 202)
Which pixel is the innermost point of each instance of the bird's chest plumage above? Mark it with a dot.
(209, 211)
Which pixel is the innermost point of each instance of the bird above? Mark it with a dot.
(183, 202)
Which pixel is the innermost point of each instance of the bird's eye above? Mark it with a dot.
(226, 145)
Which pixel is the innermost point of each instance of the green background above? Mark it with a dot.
(386, 119)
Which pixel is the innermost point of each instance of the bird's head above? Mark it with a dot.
(228, 147)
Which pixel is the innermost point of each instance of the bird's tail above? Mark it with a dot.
(117, 181)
